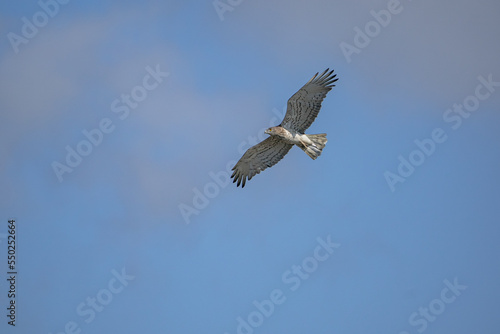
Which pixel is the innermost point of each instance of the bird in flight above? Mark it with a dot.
(302, 109)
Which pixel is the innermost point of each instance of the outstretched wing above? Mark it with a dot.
(303, 107)
(265, 154)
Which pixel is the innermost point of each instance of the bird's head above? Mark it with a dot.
(269, 131)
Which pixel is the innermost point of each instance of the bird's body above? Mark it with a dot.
(311, 144)
(302, 109)
(288, 135)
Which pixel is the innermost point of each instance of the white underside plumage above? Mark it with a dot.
(311, 144)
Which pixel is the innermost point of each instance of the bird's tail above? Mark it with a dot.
(318, 143)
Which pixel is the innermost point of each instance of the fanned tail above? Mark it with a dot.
(318, 143)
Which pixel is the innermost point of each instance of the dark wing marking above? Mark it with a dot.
(303, 107)
(265, 154)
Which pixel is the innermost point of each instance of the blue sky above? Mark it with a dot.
(394, 229)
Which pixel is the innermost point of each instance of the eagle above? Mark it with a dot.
(302, 109)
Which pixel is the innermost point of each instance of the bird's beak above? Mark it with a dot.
(267, 132)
